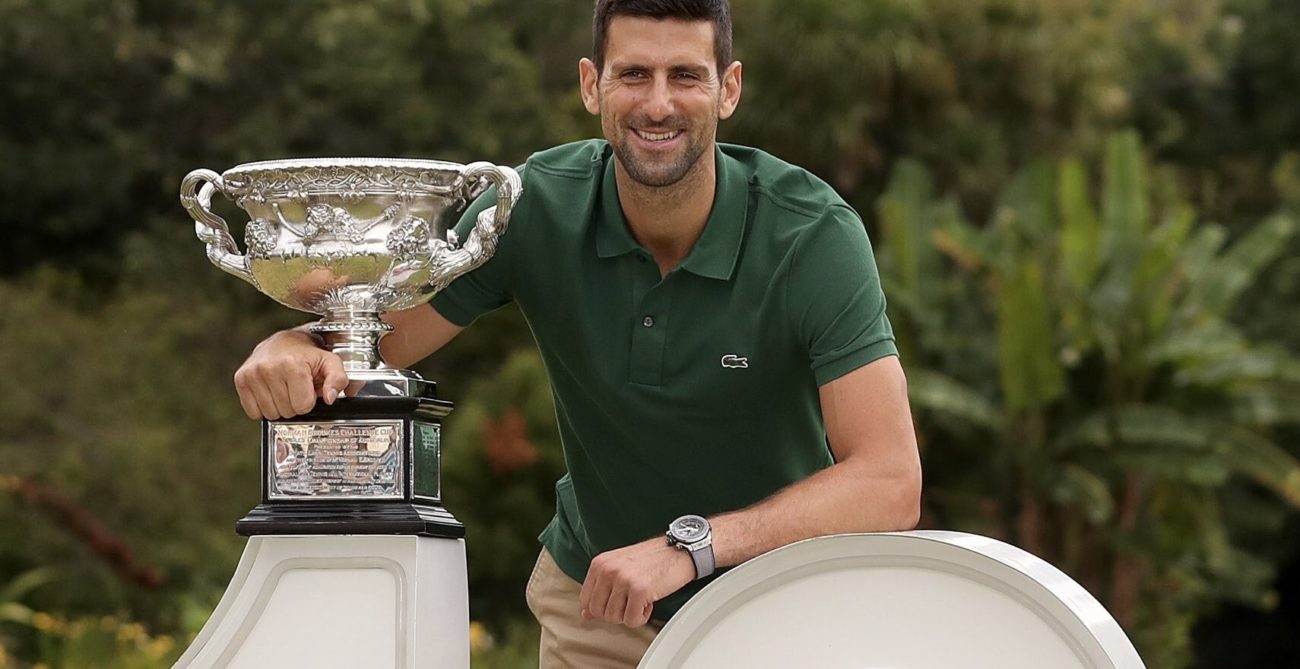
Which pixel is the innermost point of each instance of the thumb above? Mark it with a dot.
(332, 377)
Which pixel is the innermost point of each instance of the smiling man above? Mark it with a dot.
(713, 329)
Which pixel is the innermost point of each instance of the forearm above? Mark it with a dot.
(850, 496)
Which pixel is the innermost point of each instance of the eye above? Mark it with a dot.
(633, 75)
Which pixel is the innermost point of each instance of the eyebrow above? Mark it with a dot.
(698, 70)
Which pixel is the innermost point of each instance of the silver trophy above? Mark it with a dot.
(348, 239)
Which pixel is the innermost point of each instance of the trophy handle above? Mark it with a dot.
(211, 228)
(488, 227)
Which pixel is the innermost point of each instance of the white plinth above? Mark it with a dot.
(340, 602)
(907, 600)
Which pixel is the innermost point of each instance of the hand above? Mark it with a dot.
(622, 585)
(284, 375)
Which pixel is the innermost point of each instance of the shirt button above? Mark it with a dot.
(648, 321)
(641, 258)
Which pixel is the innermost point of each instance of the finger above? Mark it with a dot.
(247, 400)
(265, 401)
(302, 390)
(637, 611)
(584, 596)
(249, 404)
(333, 378)
(599, 601)
(280, 389)
(616, 607)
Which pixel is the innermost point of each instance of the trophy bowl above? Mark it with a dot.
(351, 238)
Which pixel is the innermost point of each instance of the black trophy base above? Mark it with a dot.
(417, 512)
(350, 518)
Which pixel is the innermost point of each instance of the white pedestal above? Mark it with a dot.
(340, 602)
(907, 600)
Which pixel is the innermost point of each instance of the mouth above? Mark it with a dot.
(657, 136)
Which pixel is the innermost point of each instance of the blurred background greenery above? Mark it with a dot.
(1084, 213)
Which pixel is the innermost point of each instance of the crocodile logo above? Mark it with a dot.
(732, 361)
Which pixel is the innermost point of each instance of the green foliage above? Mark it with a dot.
(1128, 407)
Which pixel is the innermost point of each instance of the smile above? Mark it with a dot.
(657, 136)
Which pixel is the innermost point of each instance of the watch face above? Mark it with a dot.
(689, 529)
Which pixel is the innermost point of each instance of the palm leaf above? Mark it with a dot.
(943, 394)
(1124, 201)
(1029, 368)
(1077, 487)
(1215, 289)
(1264, 461)
(1136, 426)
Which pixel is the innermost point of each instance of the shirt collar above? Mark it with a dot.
(715, 252)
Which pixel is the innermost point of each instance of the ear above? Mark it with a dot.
(731, 85)
(588, 84)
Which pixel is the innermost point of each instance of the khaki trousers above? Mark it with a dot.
(568, 641)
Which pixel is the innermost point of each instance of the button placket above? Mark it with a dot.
(649, 336)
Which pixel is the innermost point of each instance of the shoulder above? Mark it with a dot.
(790, 206)
(775, 183)
(573, 161)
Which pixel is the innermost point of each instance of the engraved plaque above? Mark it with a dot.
(426, 477)
(359, 459)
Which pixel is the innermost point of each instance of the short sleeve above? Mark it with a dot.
(834, 295)
(489, 286)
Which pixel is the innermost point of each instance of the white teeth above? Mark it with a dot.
(660, 136)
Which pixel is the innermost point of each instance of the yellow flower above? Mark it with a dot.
(131, 633)
(48, 624)
(160, 646)
(479, 638)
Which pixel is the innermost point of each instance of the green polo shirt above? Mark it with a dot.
(691, 393)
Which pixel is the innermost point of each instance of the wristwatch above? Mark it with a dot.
(692, 534)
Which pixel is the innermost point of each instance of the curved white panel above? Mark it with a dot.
(909, 600)
(340, 602)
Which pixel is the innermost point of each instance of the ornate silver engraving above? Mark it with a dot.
(350, 238)
(408, 239)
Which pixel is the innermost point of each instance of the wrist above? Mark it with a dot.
(692, 535)
(300, 333)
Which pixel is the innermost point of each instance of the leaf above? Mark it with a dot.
(1255, 364)
(1205, 341)
(1267, 404)
(1124, 199)
(1264, 461)
(14, 612)
(1030, 372)
(905, 222)
(26, 582)
(944, 394)
(1084, 490)
(1217, 288)
(1139, 425)
(1080, 244)
(1026, 202)
(1155, 281)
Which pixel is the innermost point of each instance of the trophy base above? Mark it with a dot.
(350, 517)
(363, 465)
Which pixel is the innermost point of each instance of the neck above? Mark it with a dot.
(667, 220)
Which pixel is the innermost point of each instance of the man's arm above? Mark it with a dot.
(285, 373)
(874, 486)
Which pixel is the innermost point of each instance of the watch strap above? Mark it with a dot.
(703, 558)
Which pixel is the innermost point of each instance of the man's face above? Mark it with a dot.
(660, 95)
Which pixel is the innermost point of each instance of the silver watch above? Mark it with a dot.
(692, 534)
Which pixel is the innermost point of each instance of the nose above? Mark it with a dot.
(659, 99)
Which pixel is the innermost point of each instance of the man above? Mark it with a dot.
(714, 332)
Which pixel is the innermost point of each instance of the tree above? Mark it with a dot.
(1082, 389)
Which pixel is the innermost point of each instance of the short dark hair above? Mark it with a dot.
(717, 12)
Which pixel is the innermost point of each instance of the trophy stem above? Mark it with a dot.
(354, 336)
